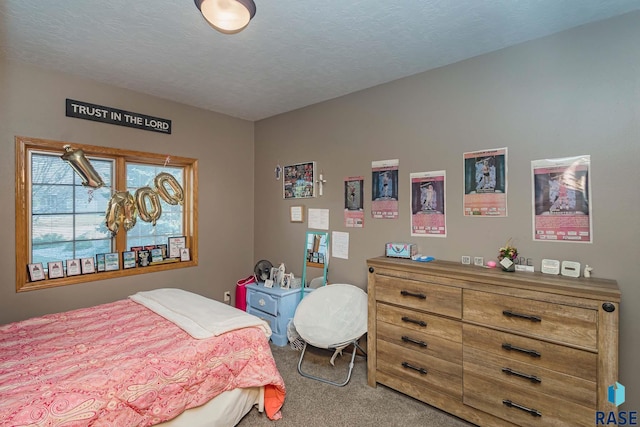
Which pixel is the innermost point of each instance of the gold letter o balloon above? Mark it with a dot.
(177, 196)
(152, 212)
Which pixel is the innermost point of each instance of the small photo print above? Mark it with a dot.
(56, 270)
(144, 258)
(129, 259)
(36, 271)
(156, 255)
(88, 265)
(175, 244)
(111, 261)
(100, 262)
(73, 267)
(165, 250)
(184, 254)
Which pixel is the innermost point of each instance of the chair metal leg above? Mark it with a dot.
(324, 380)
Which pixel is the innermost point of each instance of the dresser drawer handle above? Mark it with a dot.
(533, 412)
(510, 347)
(413, 294)
(531, 378)
(417, 322)
(510, 313)
(414, 341)
(415, 368)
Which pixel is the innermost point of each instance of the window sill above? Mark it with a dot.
(103, 275)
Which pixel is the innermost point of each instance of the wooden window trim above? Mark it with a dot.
(190, 226)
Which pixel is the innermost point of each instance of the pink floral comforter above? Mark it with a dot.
(120, 364)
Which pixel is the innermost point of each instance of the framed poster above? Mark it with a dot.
(384, 189)
(353, 201)
(485, 183)
(56, 270)
(428, 217)
(299, 181)
(562, 200)
(36, 271)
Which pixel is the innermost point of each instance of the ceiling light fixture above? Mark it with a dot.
(227, 16)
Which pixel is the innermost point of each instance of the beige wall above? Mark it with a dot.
(32, 103)
(574, 93)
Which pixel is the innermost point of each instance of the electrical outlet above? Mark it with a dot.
(227, 297)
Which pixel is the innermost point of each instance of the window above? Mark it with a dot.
(57, 218)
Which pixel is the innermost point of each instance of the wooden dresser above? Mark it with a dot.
(492, 347)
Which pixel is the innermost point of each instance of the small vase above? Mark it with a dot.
(510, 269)
(507, 265)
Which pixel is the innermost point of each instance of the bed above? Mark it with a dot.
(167, 357)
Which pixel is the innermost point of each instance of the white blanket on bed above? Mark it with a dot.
(200, 317)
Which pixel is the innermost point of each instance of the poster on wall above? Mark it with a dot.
(562, 200)
(299, 181)
(428, 204)
(485, 183)
(384, 189)
(354, 202)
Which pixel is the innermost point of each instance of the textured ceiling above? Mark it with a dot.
(294, 52)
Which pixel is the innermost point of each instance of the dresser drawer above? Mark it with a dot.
(578, 363)
(439, 299)
(524, 408)
(419, 368)
(272, 320)
(421, 342)
(420, 322)
(550, 321)
(263, 302)
(530, 378)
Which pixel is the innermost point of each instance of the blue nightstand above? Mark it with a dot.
(274, 305)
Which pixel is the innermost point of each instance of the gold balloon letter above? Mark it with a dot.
(82, 166)
(121, 211)
(143, 210)
(161, 180)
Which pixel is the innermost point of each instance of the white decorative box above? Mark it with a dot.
(401, 250)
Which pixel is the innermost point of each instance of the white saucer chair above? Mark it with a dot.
(332, 317)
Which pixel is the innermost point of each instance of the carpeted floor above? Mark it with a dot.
(311, 403)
